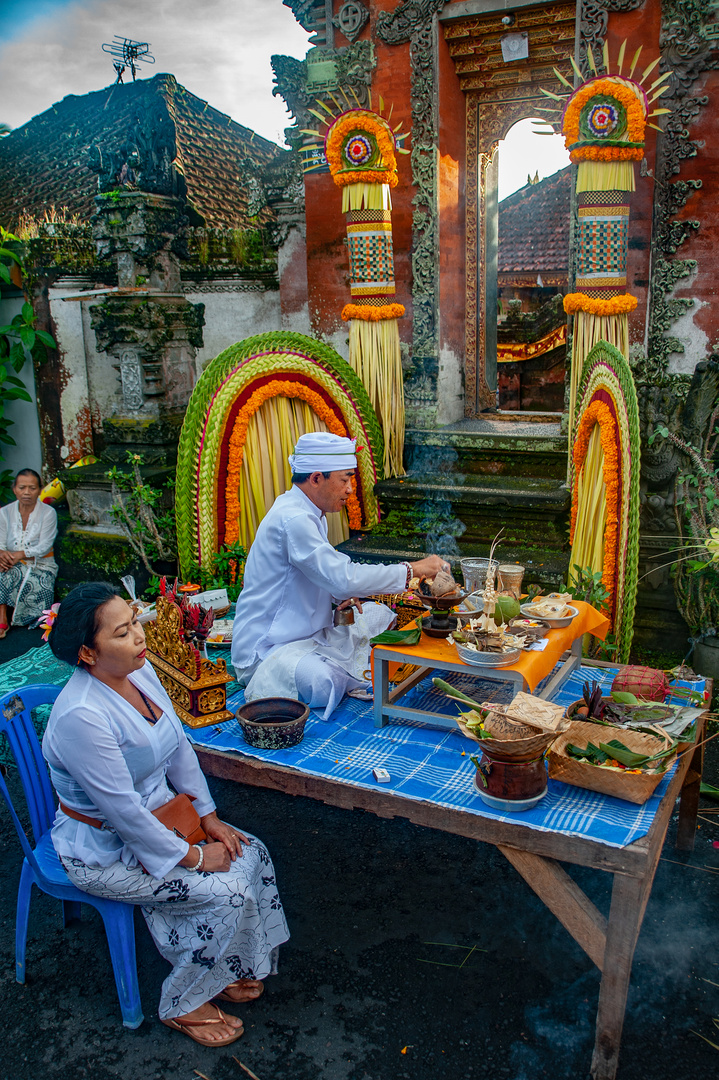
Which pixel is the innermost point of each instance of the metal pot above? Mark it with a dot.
(344, 616)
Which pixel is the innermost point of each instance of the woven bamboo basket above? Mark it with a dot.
(634, 787)
(404, 605)
(513, 741)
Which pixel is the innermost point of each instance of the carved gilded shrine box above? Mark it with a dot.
(197, 688)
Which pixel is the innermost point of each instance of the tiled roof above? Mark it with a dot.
(45, 162)
(534, 226)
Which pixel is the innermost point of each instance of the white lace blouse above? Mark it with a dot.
(108, 762)
(38, 537)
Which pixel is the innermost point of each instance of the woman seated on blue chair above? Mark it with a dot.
(112, 743)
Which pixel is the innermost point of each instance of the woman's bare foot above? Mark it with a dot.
(242, 990)
(208, 1025)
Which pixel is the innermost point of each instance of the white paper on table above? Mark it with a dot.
(537, 646)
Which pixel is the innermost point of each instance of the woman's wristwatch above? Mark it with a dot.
(201, 861)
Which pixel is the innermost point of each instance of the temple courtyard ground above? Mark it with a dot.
(414, 954)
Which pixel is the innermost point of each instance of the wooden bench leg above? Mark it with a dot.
(689, 801)
(625, 918)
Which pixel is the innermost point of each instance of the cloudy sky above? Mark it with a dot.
(219, 49)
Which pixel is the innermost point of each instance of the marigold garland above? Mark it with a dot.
(607, 153)
(597, 305)
(276, 388)
(372, 314)
(599, 412)
(334, 140)
(623, 91)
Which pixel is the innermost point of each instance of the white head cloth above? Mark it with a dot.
(321, 451)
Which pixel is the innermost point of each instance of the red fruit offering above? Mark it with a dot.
(644, 682)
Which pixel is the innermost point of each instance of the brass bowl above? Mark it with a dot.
(442, 603)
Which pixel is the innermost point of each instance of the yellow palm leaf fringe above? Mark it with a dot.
(588, 546)
(376, 358)
(589, 329)
(272, 433)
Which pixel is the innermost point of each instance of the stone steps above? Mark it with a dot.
(490, 448)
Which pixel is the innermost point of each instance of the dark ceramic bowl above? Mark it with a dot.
(273, 723)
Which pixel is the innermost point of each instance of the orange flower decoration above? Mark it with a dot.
(595, 305)
(276, 388)
(599, 412)
(372, 314)
(628, 94)
(360, 120)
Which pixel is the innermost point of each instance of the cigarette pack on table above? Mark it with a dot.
(381, 776)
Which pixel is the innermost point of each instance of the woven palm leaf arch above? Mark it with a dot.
(230, 390)
(605, 466)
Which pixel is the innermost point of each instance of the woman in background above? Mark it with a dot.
(28, 569)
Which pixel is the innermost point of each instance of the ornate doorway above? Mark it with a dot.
(499, 90)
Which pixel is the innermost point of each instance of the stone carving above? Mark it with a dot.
(594, 14)
(144, 160)
(131, 379)
(304, 11)
(351, 18)
(687, 53)
(412, 21)
(353, 70)
(409, 18)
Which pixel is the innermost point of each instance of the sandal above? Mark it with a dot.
(242, 984)
(184, 1026)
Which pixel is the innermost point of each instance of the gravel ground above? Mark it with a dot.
(402, 937)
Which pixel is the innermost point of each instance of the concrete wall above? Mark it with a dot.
(233, 315)
(78, 406)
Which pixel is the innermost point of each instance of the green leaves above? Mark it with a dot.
(623, 698)
(398, 637)
(615, 750)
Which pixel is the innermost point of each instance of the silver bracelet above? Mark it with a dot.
(200, 862)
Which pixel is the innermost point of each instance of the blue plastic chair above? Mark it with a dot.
(42, 867)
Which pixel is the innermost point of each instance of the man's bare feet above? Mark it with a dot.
(208, 1025)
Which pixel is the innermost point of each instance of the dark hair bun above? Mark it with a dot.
(77, 620)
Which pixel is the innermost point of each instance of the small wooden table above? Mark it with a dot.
(609, 942)
(431, 654)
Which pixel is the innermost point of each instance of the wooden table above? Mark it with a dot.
(430, 654)
(609, 943)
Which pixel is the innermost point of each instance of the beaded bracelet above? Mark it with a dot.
(200, 862)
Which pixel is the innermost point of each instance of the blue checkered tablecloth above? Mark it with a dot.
(428, 765)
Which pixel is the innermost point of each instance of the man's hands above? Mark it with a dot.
(429, 567)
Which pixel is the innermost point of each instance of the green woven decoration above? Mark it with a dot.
(606, 376)
(232, 373)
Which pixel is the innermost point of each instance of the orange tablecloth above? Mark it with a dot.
(534, 666)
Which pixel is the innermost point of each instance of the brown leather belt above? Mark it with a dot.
(95, 822)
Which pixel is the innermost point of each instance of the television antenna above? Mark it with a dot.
(128, 54)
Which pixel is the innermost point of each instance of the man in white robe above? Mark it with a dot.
(284, 643)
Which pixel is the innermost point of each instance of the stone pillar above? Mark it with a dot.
(148, 327)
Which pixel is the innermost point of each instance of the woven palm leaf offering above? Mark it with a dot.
(626, 710)
(627, 764)
(503, 735)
